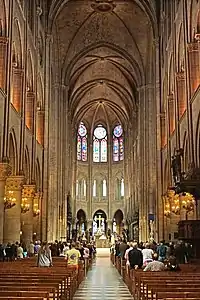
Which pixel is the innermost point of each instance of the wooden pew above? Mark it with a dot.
(59, 280)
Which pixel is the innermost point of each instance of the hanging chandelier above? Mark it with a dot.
(36, 210)
(9, 200)
(25, 207)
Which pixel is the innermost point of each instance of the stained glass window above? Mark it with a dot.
(118, 143)
(82, 143)
(100, 144)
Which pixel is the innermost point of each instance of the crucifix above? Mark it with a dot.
(100, 223)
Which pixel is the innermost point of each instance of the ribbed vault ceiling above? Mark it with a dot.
(102, 51)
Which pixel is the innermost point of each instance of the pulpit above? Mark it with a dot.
(189, 231)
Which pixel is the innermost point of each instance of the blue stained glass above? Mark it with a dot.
(96, 150)
(104, 150)
(118, 130)
(118, 143)
(82, 143)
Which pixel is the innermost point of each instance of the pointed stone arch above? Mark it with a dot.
(38, 176)
(3, 23)
(27, 165)
(13, 153)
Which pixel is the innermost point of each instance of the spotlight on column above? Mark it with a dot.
(24, 206)
(9, 200)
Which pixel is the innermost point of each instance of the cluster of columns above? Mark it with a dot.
(17, 225)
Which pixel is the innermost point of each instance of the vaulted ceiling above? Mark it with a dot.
(103, 52)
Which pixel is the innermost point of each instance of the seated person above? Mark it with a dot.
(155, 265)
(172, 264)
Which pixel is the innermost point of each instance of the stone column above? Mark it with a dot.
(5, 171)
(27, 218)
(17, 88)
(193, 53)
(12, 224)
(181, 85)
(3, 59)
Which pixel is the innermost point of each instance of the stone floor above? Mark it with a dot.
(103, 282)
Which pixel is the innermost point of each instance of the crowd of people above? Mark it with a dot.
(44, 252)
(153, 256)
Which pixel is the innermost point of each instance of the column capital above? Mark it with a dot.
(30, 94)
(193, 47)
(170, 98)
(15, 183)
(180, 76)
(3, 40)
(28, 190)
(163, 116)
(5, 170)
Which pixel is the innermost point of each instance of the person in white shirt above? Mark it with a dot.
(147, 254)
(126, 255)
(20, 251)
(155, 265)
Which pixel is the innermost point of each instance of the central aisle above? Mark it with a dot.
(103, 282)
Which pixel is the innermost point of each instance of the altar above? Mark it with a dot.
(101, 241)
(99, 231)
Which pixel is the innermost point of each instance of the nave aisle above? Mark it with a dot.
(103, 282)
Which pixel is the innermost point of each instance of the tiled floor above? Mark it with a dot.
(103, 282)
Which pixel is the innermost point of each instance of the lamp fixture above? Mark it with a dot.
(25, 207)
(36, 210)
(9, 200)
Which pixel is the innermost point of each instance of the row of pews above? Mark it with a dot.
(23, 280)
(161, 285)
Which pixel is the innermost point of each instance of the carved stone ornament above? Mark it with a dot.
(5, 171)
(15, 183)
(103, 6)
(28, 191)
(180, 76)
(170, 98)
(193, 47)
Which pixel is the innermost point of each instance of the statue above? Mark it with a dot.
(177, 166)
(151, 227)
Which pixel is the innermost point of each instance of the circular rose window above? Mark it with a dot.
(82, 130)
(118, 131)
(100, 132)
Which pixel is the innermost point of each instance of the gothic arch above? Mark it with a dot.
(40, 94)
(171, 76)
(118, 216)
(197, 142)
(198, 22)
(27, 165)
(30, 72)
(99, 211)
(38, 176)
(180, 49)
(81, 215)
(166, 175)
(13, 153)
(185, 149)
(193, 19)
(3, 22)
(17, 45)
